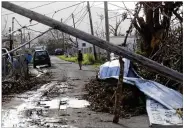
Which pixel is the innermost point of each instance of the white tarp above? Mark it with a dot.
(111, 69)
(159, 115)
(162, 95)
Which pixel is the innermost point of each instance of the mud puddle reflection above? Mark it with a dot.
(41, 108)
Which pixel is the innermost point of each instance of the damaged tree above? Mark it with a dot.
(114, 30)
(154, 29)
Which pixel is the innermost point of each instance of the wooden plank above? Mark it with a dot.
(154, 66)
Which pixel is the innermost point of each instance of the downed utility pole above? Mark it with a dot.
(152, 65)
(91, 25)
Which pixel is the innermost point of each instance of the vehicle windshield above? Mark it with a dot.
(41, 53)
(58, 49)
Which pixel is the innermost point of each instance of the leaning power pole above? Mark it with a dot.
(74, 27)
(150, 64)
(91, 25)
(106, 25)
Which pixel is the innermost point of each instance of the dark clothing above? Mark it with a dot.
(80, 57)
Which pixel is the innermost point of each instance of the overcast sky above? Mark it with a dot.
(97, 9)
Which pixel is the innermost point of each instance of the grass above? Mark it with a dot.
(70, 59)
(88, 59)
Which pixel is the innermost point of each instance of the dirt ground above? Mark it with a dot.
(60, 103)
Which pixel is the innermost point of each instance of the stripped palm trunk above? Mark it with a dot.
(118, 93)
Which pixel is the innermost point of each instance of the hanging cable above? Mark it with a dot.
(32, 8)
(27, 42)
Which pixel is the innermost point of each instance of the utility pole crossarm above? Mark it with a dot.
(167, 72)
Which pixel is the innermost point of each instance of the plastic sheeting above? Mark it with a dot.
(170, 98)
(162, 101)
(111, 69)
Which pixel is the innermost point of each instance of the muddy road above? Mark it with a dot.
(59, 103)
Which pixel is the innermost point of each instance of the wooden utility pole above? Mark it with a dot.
(10, 37)
(12, 30)
(63, 38)
(106, 25)
(74, 27)
(91, 25)
(29, 34)
(150, 64)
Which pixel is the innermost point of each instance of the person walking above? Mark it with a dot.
(80, 59)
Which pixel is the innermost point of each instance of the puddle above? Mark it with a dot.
(53, 104)
(73, 103)
(31, 111)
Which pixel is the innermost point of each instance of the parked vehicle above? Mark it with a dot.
(59, 52)
(41, 57)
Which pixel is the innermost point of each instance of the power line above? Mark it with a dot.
(43, 5)
(34, 30)
(120, 7)
(18, 22)
(27, 27)
(63, 8)
(55, 11)
(32, 8)
(28, 42)
(79, 11)
(72, 13)
(82, 17)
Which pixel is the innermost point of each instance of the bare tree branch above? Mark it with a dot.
(6, 20)
(178, 16)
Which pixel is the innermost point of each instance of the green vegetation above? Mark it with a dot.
(88, 59)
(70, 59)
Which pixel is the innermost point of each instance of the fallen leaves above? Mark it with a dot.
(100, 93)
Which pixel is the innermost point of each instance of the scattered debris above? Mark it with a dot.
(100, 93)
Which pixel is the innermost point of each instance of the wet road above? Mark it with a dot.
(59, 103)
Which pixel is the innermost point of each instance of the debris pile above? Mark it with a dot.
(20, 85)
(100, 95)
